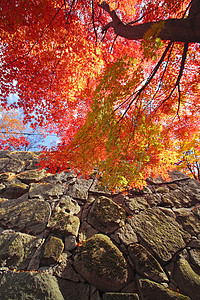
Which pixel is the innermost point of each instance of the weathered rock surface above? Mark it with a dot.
(120, 296)
(74, 291)
(195, 257)
(106, 216)
(46, 190)
(65, 269)
(150, 290)
(68, 205)
(162, 234)
(24, 285)
(177, 198)
(17, 249)
(84, 242)
(80, 189)
(126, 235)
(86, 231)
(187, 280)
(137, 204)
(145, 264)
(188, 220)
(32, 176)
(52, 250)
(99, 261)
(13, 189)
(64, 223)
(7, 176)
(26, 216)
(12, 165)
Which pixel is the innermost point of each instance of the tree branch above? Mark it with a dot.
(35, 43)
(180, 30)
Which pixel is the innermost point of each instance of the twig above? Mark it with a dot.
(35, 43)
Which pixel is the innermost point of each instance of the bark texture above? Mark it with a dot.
(179, 30)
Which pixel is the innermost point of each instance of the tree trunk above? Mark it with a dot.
(180, 30)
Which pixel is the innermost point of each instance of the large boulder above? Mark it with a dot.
(14, 189)
(150, 290)
(11, 165)
(161, 233)
(17, 249)
(79, 190)
(187, 280)
(145, 264)
(64, 223)
(29, 216)
(31, 176)
(188, 220)
(101, 263)
(105, 215)
(46, 190)
(177, 198)
(28, 285)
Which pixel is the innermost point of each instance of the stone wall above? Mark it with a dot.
(64, 237)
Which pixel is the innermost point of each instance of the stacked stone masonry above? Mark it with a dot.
(64, 237)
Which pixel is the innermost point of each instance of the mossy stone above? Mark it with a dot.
(17, 249)
(150, 290)
(64, 223)
(105, 215)
(187, 280)
(101, 263)
(53, 249)
(30, 176)
(145, 264)
(29, 285)
(163, 235)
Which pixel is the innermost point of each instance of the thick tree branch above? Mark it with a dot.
(180, 30)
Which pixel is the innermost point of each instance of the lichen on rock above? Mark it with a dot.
(161, 233)
(28, 285)
(52, 250)
(105, 215)
(150, 290)
(64, 223)
(17, 249)
(145, 264)
(28, 216)
(187, 280)
(101, 263)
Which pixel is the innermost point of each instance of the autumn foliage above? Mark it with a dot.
(126, 106)
(11, 131)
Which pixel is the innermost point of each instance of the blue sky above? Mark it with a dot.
(50, 140)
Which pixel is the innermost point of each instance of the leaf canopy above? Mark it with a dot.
(122, 105)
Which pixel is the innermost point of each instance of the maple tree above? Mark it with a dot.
(117, 81)
(11, 131)
(189, 157)
(15, 135)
